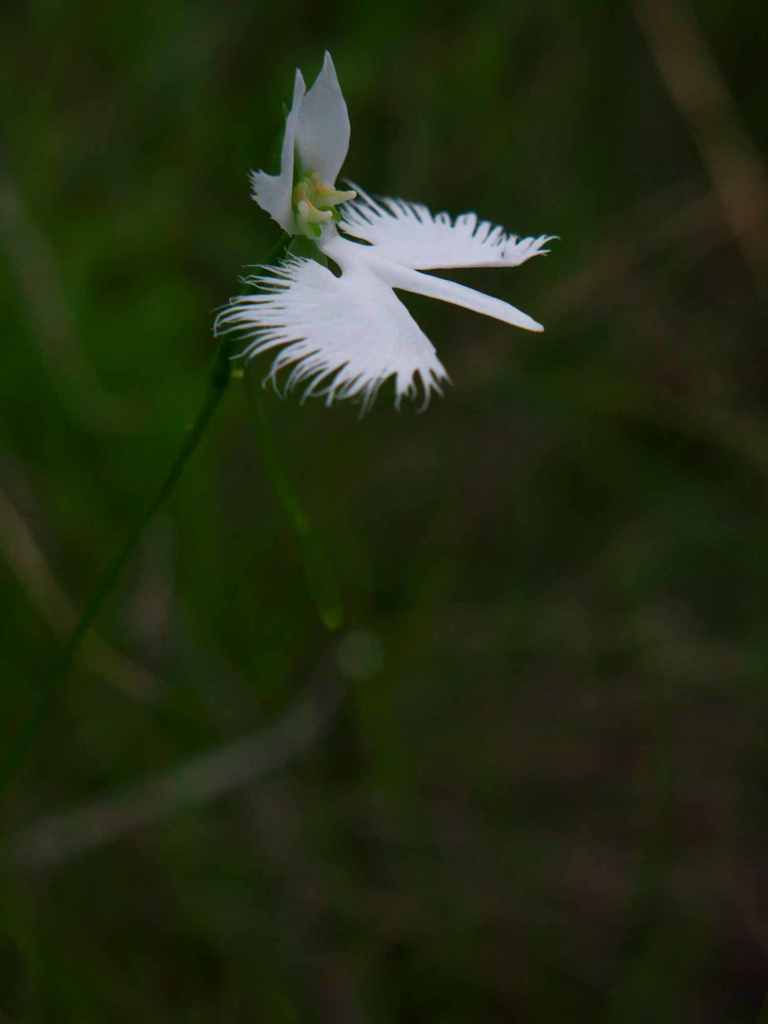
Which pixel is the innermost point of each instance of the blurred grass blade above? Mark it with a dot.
(19, 745)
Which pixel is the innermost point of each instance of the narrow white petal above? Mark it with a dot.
(342, 337)
(350, 255)
(410, 234)
(457, 294)
(322, 136)
(273, 192)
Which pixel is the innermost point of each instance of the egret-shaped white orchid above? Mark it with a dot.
(345, 334)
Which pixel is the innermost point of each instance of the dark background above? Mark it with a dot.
(526, 779)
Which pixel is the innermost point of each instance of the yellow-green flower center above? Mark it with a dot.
(314, 202)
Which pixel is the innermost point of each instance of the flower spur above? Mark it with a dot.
(343, 335)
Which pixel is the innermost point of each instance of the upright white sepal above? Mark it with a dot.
(322, 136)
(273, 192)
(315, 146)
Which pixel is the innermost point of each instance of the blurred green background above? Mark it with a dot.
(527, 779)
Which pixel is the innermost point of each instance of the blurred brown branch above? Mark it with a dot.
(62, 837)
(307, 903)
(692, 77)
(666, 221)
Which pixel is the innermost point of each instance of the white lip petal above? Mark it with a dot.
(410, 234)
(322, 136)
(273, 192)
(342, 337)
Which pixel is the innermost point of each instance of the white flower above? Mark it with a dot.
(344, 334)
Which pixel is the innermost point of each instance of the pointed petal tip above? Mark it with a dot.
(328, 71)
(322, 135)
(299, 85)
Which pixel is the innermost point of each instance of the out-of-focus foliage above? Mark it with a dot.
(543, 793)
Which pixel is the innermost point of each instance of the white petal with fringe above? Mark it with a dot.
(409, 233)
(341, 336)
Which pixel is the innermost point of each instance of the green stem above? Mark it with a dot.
(19, 747)
(320, 575)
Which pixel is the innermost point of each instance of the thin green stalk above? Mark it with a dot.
(322, 582)
(20, 745)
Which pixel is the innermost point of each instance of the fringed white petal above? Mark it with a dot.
(410, 234)
(342, 337)
(273, 192)
(322, 135)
